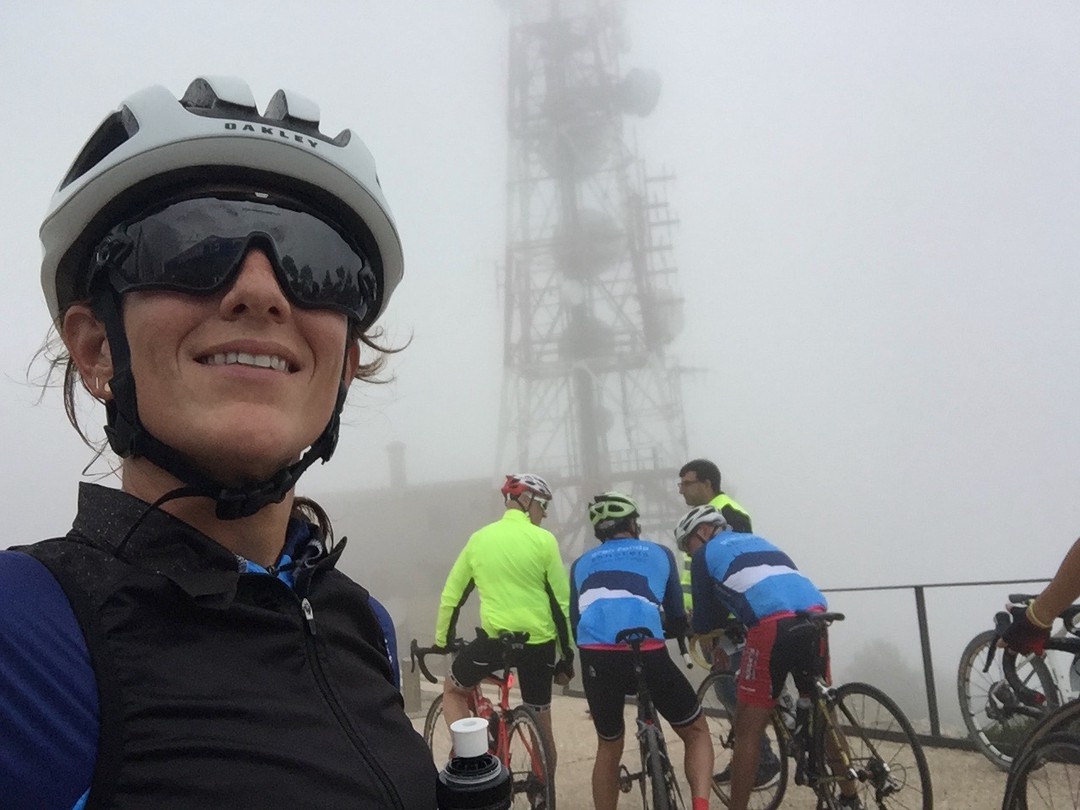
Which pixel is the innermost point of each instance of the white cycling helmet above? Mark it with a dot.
(213, 134)
(519, 483)
(694, 518)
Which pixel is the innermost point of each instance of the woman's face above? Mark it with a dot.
(240, 382)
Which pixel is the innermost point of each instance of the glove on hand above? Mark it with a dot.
(564, 671)
(1022, 636)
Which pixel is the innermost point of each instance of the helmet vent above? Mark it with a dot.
(117, 128)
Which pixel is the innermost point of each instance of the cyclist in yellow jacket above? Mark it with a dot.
(524, 587)
(699, 484)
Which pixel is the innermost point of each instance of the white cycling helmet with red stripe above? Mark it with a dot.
(520, 483)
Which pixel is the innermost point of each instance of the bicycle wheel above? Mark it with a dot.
(1047, 775)
(665, 786)
(715, 694)
(528, 762)
(437, 734)
(994, 719)
(1063, 720)
(884, 751)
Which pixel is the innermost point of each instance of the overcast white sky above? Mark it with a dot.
(879, 247)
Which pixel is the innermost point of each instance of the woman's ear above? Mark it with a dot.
(352, 362)
(88, 345)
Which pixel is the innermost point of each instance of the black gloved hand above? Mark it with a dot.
(1022, 636)
(675, 627)
(564, 671)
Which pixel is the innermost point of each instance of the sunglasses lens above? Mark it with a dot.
(196, 245)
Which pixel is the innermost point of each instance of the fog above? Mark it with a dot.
(878, 247)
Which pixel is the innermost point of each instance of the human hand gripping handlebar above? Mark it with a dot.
(1002, 622)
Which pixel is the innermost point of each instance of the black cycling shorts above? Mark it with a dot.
(608, 677)
(484, 657)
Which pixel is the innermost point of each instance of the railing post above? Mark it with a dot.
(928, 666)
(410, 688)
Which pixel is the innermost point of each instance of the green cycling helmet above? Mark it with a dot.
(605, 509)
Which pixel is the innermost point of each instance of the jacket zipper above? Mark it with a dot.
(328, 695)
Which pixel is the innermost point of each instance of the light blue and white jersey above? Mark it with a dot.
(623, 583)
(750, 577)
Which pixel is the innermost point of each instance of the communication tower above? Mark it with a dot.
(591, 398)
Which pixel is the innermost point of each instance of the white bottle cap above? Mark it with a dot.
(470, 736)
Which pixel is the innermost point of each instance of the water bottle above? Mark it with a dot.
(473, 779)
(787, 709)
(802, 714)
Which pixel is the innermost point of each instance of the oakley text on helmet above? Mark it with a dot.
(213, 134)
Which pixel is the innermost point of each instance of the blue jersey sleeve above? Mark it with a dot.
(48, 693)
(389, 634)
(674, 608)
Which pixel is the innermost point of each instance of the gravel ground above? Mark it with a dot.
(961, 780)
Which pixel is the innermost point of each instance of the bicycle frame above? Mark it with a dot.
(656, 765)
(484, 707)
(518, 741)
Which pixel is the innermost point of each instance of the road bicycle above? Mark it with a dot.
(1045, 771)
(515, 734)
(657, 779)
(836, 737)
(999, 716)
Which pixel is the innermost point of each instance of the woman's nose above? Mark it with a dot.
(256, 290)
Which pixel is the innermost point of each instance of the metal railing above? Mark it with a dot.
(935, 737)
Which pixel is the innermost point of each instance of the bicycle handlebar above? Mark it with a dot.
(417, 654)
(513, 641)
(681, 639)
(1025, 694)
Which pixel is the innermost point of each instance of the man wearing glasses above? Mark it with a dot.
(524, 587)
(699, 484)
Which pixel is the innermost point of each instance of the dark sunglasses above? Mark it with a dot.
(196, 246)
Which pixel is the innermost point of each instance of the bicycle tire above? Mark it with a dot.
(664, 785)
(1046, 776)
(528, 761)
(997, 732)
(437, 733)
(883, 749)
(718, 716)
(1063, 720)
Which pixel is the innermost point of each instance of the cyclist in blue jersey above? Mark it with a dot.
(699, 484)
(214, 275)
(746, 575)
(623, 583)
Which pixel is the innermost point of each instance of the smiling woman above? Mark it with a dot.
(214, 275)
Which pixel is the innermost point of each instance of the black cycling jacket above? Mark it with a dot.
(220, 689)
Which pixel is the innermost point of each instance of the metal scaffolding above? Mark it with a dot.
(591, 398)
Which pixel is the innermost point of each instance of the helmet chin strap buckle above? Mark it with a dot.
(233, 503)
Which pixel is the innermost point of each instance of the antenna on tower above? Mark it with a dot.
(591, 398)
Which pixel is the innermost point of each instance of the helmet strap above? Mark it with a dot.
(128, 437)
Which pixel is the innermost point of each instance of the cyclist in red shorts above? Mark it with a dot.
(748, 576)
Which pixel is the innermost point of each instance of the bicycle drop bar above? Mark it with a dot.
(1025, 694)
(418, 653)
